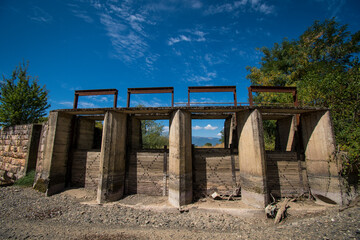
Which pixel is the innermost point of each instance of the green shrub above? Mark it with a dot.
(27, 180)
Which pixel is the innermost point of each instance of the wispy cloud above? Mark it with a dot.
(87, 105)
(197, 127)
(192, 36)
(207, 77)
(66, 103)
(39, 15)
(80, 13)
(166, 129)
(243, 5)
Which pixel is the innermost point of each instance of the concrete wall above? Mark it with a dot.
(85, 169)
(252, 158)
(180, 159)
(322, 167)
(214, 170)
(18, 150)
(85, 133)
(112, 157)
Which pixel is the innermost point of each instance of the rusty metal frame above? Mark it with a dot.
(212, 89)
(94, 92)
(150, 90)
(292, 90)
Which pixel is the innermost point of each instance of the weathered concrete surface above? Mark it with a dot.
(112, 157)
(134, 133)
(85, 134)
(285, 139)
(252, 158)
(180, 159)
(322, 167)
(54, 166)
(230, 132)
(227, 126)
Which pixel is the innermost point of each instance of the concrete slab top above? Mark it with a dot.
(196, 111)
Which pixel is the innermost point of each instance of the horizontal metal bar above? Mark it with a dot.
(96, 92)
(205, 103)
(151, 90)
(272, 89)
(212, 89)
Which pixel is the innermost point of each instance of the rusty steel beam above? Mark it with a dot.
(212, 89)
(273, 89)
(150, 90)
(94, 92)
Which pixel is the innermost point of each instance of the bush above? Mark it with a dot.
(27, 180)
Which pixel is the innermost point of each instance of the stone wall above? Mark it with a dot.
(18, 147)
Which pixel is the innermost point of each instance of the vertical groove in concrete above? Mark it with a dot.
(252, 158)
(180, 159)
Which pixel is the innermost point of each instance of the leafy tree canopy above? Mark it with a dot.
(22, 99)
(323, 63)
(152, 135)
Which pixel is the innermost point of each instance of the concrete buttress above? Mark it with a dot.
(180, 159)
(56, 152)
(112, 158)
(252, 158)
(321, 164)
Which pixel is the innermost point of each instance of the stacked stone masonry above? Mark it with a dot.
(15, 143)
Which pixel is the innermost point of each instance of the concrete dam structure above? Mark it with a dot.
(303, 161)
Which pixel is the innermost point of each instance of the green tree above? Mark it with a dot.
(152, 135)
(208, 144)
(323, 63)
(22, 99)
(222, 136)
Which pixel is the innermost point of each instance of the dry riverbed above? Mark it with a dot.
(27, 214)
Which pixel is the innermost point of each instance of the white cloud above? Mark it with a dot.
(209, 127)
(166, 129)
(219, 134)
(197, 127)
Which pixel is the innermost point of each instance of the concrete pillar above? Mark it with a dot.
(134, 134)
(53, 176)
(180, 159)
(252, 158)
(319, 146)
(85, 134)
(285, 137)
(112, 158)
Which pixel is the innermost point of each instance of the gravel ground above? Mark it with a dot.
(27, 214)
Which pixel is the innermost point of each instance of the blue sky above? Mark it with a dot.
(91, 44)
